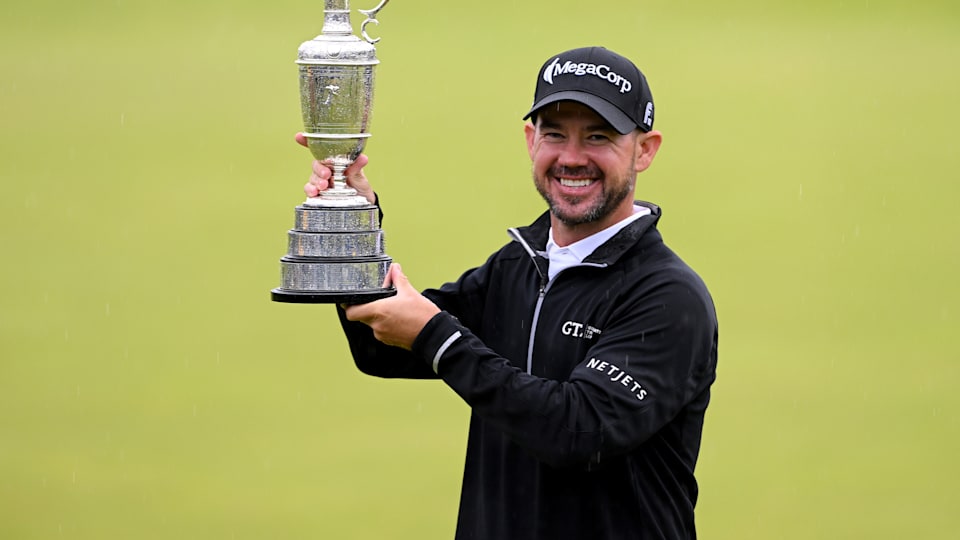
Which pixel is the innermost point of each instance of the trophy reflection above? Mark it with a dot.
(335, 251)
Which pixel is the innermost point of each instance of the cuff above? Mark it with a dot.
(440, 332)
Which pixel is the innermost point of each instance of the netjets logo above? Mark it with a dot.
(556, 68)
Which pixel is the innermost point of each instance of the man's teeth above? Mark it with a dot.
(567, 182)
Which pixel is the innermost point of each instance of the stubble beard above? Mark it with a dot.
(604, 205)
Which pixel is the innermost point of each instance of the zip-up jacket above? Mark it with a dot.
(587, 391)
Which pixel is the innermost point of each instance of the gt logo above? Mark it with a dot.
(571, 328)
(579, 330)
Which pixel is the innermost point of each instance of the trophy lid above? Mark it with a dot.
(336, 44)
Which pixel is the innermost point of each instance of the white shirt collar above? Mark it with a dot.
(575, 253)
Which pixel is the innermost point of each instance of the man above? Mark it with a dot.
(585, 347)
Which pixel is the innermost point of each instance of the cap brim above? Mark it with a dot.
(609, 112)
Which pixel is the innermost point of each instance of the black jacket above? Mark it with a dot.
(587, 392)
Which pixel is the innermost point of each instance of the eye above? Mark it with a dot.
(598, 137)
(552, 135)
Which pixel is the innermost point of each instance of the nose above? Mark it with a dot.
(572, 154)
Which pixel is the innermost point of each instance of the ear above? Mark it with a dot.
(647, 145)
(530, 132)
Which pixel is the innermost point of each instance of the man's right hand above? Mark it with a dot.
(323, 170)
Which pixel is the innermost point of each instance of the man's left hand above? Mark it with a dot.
(399, 319)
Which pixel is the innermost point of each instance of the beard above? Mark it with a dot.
(615, 190)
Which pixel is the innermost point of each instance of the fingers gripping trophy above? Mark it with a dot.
(336, 250)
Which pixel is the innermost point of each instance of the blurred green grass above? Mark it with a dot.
(150, 389)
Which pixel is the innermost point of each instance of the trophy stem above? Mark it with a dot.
(339, 179)
(339, 194)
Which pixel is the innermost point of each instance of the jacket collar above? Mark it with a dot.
(537, 232)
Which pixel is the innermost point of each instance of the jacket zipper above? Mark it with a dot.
(545, 283)
(543, 292)
(533, 326)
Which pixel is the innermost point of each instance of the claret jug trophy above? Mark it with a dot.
(335, 250)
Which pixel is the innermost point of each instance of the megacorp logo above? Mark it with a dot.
(556, 69)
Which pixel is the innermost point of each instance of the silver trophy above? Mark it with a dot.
(335, 250)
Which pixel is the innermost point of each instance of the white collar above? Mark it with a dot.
(575, 253)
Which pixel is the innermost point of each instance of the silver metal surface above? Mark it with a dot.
(336, 93)
(336, 247)
(335, 244)
(313, 219)
(371, 18)
(355, 275)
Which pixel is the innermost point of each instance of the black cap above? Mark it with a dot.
(601, 79)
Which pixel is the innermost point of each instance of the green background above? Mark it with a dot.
(150, 389)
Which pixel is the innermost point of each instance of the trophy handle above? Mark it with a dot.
(371, 18)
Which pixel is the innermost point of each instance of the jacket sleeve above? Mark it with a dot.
(372, 357)
(655, 356)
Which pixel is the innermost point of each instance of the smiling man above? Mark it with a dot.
(585, 347)
(592, 134)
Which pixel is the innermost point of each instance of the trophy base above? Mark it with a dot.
(332, 280)
(329, 297)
